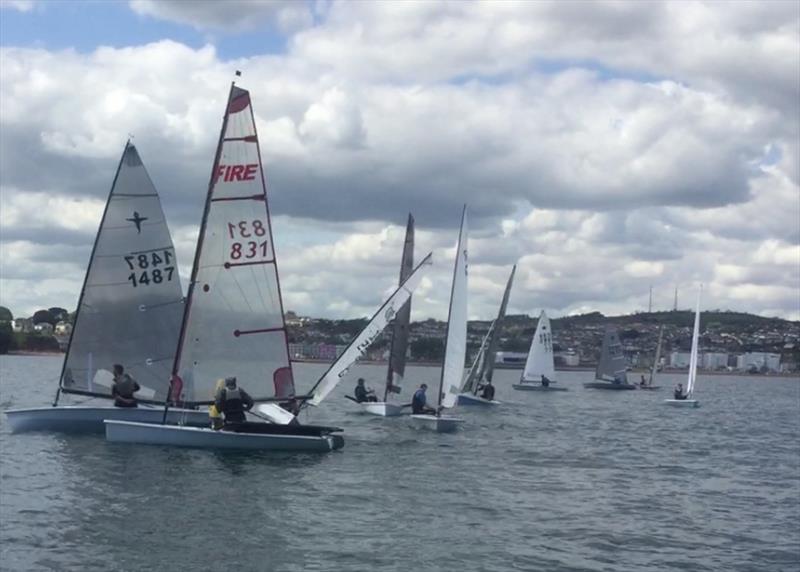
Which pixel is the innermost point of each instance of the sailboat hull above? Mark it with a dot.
(609, 385)
(535, 387)
(206, 438)
(382, 408)
(470, 399)
(441, 424)
(682, 402)
(80, 419)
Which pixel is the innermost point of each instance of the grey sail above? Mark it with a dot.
(611, 366)
(399, 347)
(483, 366)
(654, 369)
(131, 304)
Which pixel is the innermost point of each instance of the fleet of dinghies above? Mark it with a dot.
(231, 324)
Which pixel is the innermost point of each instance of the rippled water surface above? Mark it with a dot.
(577, 480)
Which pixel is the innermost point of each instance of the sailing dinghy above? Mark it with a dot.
(129, 312)
(540, 363)
(455, 351)
(482, 369)
(611, 372)
(648, 384)
(687, 401)
(233, 321)
(399, 344)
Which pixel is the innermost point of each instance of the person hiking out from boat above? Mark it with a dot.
(214, 413)
(545, 381)
(488, 391)
(643, 382)
(124, 387)
(232, 402)
(363, 394)
(419, 403)
(679, 392)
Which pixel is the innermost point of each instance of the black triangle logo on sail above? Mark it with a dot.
(137, 220)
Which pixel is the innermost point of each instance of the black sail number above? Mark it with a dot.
(152, 267)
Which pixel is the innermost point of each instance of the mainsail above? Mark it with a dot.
(455, 351)
(130, 307)
(399, 347)
(540, 355)
(483, 366)
(373, 329)
(233, 324)
(611, 366)
(693, 356)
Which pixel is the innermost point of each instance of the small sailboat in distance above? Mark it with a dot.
(482, 369)
(129, 312)
(648, 384)
(611, 372)
(455, 351)
(540, 371)
(684, 398)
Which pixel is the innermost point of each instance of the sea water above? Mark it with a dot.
(577, 480)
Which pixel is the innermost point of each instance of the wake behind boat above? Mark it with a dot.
(129, 312)
(539, 373)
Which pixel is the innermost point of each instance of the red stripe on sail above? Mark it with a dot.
(239, 103)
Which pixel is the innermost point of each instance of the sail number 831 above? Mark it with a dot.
(150, 267)
(247, 249)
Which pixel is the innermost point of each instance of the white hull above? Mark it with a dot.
(682, 402)
(382, 408)
(441, 424)
(206, 438)
(82, 419)
(470, 399)
(536, 387)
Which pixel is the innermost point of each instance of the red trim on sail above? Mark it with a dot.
(238, 333)
(247, 198)
(228, 265)
(239, 103)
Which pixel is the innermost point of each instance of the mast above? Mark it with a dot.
(401, 321)
(188, 306)
(489, 362)
(440, 395)
(86, 279)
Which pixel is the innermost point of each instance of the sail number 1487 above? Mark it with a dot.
(150, 267)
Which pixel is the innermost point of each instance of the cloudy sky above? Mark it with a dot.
(602, 146)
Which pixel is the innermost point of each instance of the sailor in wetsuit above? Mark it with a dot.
(679, 392)
(419, 403)
(124, 387)
(232, 402)
(488, 391)
(362, 393)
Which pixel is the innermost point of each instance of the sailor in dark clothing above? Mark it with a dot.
(488, 391)
(362, 393)
(124, 387)
(419, 403)
(679, 392)
(545, 381)
(232, 402)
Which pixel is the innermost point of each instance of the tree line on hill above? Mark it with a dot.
(30, 341)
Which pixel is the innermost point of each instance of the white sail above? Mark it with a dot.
(612, 366)
(234, 321)
(693, 357)
(131, 304)
(540, 355)
(373, 329)
(456, 342)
